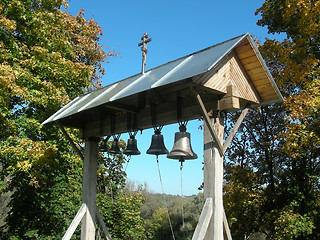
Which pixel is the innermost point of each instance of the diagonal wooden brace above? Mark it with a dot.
(204, 220)
(227, 233)
(103, 226)
(73, 145)
(207, 120)
(235, 129)
(75, 222)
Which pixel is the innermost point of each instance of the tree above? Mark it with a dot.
(278, 146)
(297, 72)
(47, 57)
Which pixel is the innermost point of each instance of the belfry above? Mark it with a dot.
(229, 76)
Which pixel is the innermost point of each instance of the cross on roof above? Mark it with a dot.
(144, 49)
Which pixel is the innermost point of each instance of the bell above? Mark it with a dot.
(115, 148)
(104, 146)
(157, 144)
(132, 148)
(182, 149)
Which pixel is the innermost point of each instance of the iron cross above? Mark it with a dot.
(145, 39)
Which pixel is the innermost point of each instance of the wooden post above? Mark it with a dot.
(213, 177)
(89, 190)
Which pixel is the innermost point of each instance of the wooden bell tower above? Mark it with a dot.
(229, 76)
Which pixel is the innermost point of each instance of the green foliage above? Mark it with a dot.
(272, 167)
(154, 212)
(47, 57)
(121, 214)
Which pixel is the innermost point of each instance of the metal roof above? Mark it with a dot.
(170, 73)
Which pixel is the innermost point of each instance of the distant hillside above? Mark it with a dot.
(154, 212)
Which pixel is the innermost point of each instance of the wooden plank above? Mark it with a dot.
(252, 65)
(245, 54)
(261, 81)
(235, 129)
(220, 80)
(103, 226)
(243, 42)
(244, 48)
(75, 222)
(204, 220)
(254, 71)
(248, 60)
(227, 232)
(268, 96)
(265, 88)
(259, 76)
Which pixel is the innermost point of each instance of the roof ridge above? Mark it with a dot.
(186, 56)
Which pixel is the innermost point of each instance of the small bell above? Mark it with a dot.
(182, 149)
(115, 148)
(104, 146)
(157, 144)
(132, 148)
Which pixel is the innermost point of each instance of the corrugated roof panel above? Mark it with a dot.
(170, 72)
(180, 69)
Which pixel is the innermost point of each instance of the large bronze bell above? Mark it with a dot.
(115, 148)
(157, 144)
(132, 148)
(182, 149)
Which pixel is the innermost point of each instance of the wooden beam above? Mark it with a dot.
(89, 188)
(235, 129)
(73, 145)
(103, 226)
(227, 233)
(75, 222)
(213, 177)
(166, 112)
(230, 101)
(204, 220)
(207, 121)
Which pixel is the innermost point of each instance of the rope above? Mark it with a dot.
(164, 199)
(182, 210)
(129, 158)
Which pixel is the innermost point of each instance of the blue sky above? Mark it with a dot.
(177, 28)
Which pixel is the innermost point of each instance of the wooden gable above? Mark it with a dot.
(230, 72)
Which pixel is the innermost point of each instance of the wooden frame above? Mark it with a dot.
(214, 148)
(236, 79)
